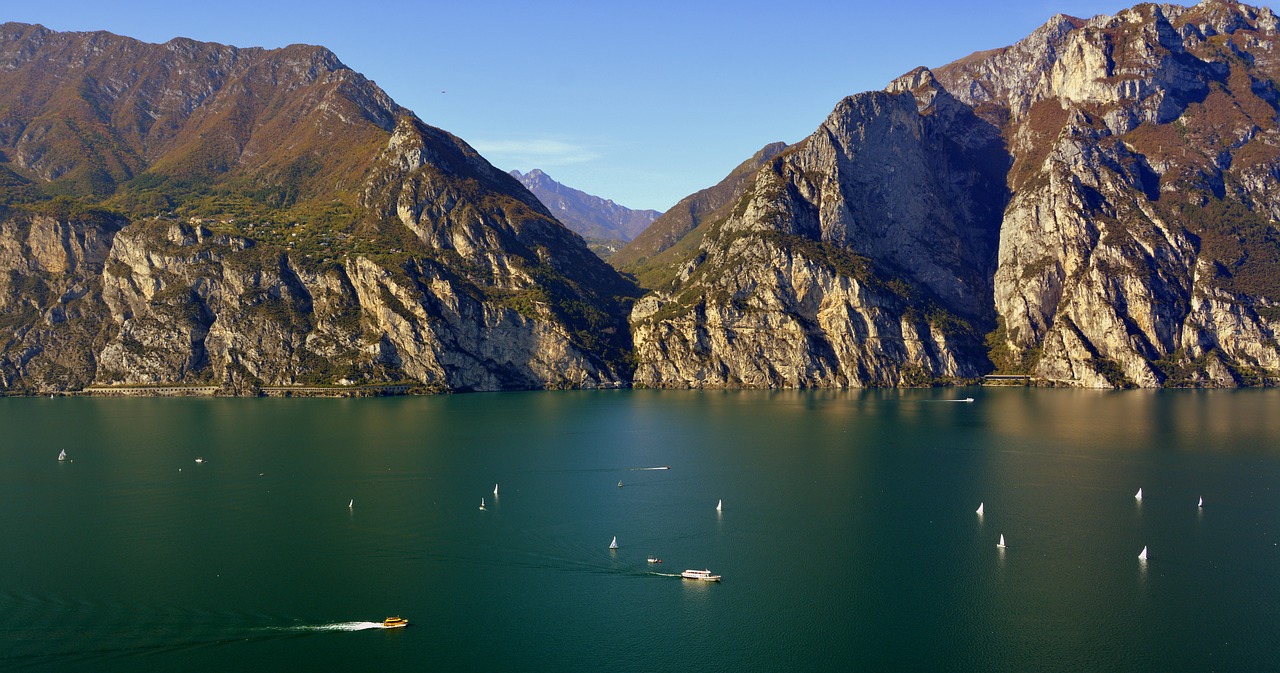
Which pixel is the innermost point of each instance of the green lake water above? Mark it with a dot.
(848, 539)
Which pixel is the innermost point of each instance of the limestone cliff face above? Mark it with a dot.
(1135, 249)
(823, 276)
(1100, 198)
(166, 303)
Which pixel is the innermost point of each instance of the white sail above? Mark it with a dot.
(1138, 496)
(614, 544)
(619, 483)
(495, 490)
(63, 455)
(1143, 555)
(1001, 545)
(720, 506)
(1201, 502)
(979, 511)
(481, 503)
(351, 504)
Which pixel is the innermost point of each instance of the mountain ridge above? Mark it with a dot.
(605, 224)
(1131, 172)
(193, 213)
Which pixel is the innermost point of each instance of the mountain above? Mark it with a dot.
(598, 220)
(1093, 206)
(676, 224)
(193, 213)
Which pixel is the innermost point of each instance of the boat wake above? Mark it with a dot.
(336, 626)
(665, 574)
(637, 469)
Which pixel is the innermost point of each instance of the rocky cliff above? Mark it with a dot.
(1099, 200)
(190, 213)
(1140, 245)
(605, 224)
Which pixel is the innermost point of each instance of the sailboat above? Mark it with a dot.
(1143, 555)
(979, 511)
(619, 483)
(614, 544)
(1001, 544)
(481, 503)
(720, 505)
(495, 490)
(1138, 496)
(1201, 502)
(62, 455)
(352, 504)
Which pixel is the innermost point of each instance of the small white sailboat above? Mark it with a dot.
(1201, 502)
(720, 505)
(352, 504)
(481, 503)
(979, 510)
(1143, 555)
(614, 544)
(1138, 496)
(495, 490)
(1001, 543)
(62, 455)
(619, 483)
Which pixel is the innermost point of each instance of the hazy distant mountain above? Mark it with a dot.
(593, 217)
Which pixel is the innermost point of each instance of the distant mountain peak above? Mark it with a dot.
(595, 218)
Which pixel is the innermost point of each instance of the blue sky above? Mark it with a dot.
(642, 102)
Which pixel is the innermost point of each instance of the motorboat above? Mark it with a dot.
(654, 559)
(394, 622)
(703, 575)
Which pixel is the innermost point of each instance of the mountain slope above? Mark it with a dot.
(194, 213)
(596, 219)
(1100, 198)
(1140, 245)
(642, 255)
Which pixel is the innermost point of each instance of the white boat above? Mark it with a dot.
(720, 506)
(704, 575)
(1201, 502)
(63, 455)
(199, 460)
(654, 559)
(495, 490)
(481, 503)
(1143, 555)
(979, 511)
(1001, 543)
(352, 504)
(614, 544)
(967, 399)
(619, 483)
(1138, 495)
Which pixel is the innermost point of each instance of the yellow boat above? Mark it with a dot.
(394, 622)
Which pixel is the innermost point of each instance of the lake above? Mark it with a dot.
(848, 538)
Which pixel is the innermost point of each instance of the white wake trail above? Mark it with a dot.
(339, 626)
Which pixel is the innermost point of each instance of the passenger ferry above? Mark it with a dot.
(394, 622)
(704, 575)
